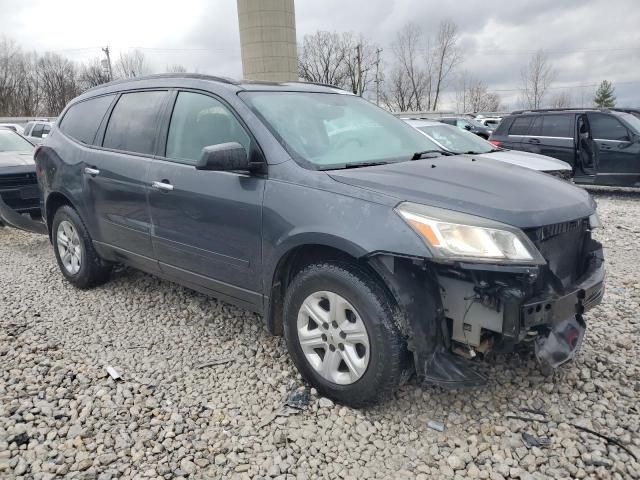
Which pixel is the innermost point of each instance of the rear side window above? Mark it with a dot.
(37, 130)
(520, 126)
(607, 127)
(27, 128)
(503, 126)
(536, 126)
(199, 121)
(82, 120)
(558, 126)
(132, 125)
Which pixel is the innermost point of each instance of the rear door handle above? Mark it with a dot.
(534, 141)
(164, 186)
(91, 171)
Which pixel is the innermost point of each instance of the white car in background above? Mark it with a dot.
(13, 126)
(454, 140)
(37, 130)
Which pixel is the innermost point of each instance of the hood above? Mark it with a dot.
(14, 159)
(526, 159)
(492, 189)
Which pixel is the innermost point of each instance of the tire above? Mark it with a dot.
(83, 268)
(383, 351)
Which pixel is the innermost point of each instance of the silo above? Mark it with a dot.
(268, 39)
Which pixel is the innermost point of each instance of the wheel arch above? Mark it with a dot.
(53, 202)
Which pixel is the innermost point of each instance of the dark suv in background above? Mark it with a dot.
(603, 146)
(369, 250)
(468, 124)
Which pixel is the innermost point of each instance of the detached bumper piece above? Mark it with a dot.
(562, 343)
(11, 217)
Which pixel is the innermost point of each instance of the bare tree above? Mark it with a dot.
(10, 59)
(416, 81)
(446, 57)
(322, 59)
(562, 100)
(397, 96)
(537, 76)
(473, 96)
(93, 74)
(176, 68)
(58, 79)
(359, 62)
(131, 64)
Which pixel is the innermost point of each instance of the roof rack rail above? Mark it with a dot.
(166, 75)
(568, 109)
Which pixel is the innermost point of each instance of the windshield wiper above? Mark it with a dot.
(418, 155)
(352, 165)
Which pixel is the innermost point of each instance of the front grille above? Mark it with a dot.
(14, 180)
(562, 244)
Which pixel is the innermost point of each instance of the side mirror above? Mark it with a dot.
(224, 156)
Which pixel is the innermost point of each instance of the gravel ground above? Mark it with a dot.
(61, 415)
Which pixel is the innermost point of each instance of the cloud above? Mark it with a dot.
(587, 40)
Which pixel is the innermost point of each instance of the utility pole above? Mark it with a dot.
(378, 50)
(359, 63)
(106, 51)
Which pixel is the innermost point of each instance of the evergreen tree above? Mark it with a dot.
(604, 95)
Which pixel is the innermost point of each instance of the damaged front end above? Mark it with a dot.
(451, 311)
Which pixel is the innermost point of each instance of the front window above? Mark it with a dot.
(456, 140)
(12, 142)
(336, 130)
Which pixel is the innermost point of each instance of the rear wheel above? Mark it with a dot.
(340, 333)
(77, 259)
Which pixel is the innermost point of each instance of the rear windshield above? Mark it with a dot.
(330, 130)
(10, 141)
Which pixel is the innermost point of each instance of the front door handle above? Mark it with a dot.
(164, 186)
(91, 171)
(534, 141)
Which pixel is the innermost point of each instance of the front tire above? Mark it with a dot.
(77, 259)
(338, 323)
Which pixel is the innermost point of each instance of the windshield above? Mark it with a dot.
(335, 130)
(632, 121)
(457, 140)
(12, 142)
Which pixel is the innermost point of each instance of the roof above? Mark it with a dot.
(165, 78)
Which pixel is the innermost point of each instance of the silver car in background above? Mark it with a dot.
(455, 140)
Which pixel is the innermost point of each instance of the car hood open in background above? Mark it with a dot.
(14, 159)
(489, 188)
(527, 159)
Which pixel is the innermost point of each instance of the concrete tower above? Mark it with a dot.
(268, 40)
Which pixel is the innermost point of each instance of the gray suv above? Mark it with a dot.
(371, 253)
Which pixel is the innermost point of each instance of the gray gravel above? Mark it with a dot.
(62, 415)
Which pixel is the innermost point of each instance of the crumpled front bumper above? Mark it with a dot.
(11, 217)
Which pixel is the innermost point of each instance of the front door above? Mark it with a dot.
(586, 152)
(206, 225)
(618, 154)
(116, 176)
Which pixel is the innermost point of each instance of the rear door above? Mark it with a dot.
(618, 156)
(116, 176)
(552, 135)
(206, 224)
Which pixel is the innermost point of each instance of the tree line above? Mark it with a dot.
(412, 75)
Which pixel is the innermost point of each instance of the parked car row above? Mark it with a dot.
(376, 247)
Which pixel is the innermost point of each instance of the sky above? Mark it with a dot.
(586, 40)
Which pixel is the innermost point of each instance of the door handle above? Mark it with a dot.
(91, 171)
(164, 186)
(535, 141)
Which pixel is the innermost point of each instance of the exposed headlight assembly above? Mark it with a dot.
(453, 235)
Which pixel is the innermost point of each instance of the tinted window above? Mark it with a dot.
(37, 130)
(536, 126)
(558, 126)
(198, 121)
(27, 128)
(520, 126)
(83, 119)
(46, 129)
(607, 127)
(132, 125)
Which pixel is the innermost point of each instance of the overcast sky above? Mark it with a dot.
(587, 40)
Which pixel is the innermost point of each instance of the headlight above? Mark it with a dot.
(458, 236)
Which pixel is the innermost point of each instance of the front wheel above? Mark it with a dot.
(341, 335)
